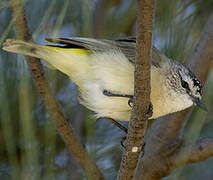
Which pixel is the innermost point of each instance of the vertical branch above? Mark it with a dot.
(98, 17)
(139, 116)
(203, 50)
(64, 128)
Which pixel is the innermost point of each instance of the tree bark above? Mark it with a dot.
(64, 128)
(200, 151)
(139, 117)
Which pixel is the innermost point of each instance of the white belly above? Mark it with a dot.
(104, 106)
(112, 72)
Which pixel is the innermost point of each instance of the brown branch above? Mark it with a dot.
(200, 151)
(138, 122)
(98, 17)
(163, 139)
(64, 128)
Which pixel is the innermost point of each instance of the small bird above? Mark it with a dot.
(103, 70)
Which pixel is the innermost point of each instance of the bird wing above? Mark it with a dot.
(126, 45)
(95, 45)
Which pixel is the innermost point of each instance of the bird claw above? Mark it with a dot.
(130, 101)
(150, 111)
(123, 141)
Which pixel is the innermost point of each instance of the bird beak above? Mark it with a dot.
(199, 103)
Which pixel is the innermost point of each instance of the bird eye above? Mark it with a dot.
(185, 85)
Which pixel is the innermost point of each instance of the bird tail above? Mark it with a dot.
(39, 51)
(25, 48)
(71, 61)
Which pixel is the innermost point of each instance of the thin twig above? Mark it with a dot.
(200, 151)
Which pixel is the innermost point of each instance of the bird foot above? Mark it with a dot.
(150, 111)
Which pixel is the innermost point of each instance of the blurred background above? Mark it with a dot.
(30, 146)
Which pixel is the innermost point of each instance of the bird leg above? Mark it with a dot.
(123, 128)
(108, 93)
(130, 101)
(120, 126)
(123, 142)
